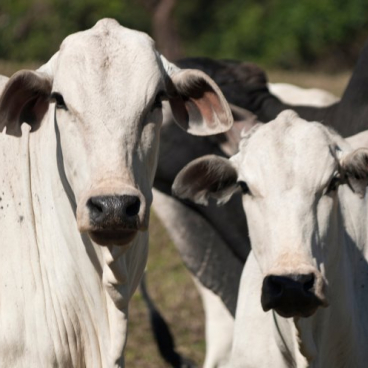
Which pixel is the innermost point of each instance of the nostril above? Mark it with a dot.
(276, 286)
(114, 211)
(95, 205)
(98, 207)
(309, 282)
(133, 208)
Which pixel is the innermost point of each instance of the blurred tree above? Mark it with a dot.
(164, 29)
(284, 33)
(33, 30)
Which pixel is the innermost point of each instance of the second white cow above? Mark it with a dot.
(302, 299)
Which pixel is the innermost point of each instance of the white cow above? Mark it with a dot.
(79, 147)
(295, 95)
(302, 298)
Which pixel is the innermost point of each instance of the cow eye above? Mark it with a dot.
(59, 100)
(243, 186)
(333, 185)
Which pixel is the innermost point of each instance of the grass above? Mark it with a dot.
(168, 281)
(173, 291)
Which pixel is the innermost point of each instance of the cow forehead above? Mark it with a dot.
(288, 151)
(106, 57)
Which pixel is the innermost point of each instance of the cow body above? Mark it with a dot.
(55, 311)
(294, 95)
(335, 336)
(79, 148)
(302, 298)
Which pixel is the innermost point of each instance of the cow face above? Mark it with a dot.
(289, 171)
(105, 88)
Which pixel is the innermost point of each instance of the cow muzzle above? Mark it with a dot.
(293, 295)
(113, 219)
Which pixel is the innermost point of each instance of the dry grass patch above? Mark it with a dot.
(10, 67)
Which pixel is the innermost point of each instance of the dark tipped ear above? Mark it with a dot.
(355, 167)
(205, 177)
(198, 105)
(24, 99)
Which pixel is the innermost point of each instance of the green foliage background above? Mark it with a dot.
(280, 33)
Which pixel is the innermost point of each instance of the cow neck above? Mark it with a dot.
(355, 262)
(351, 115)
(344, 324)
(267, 107)
(96, 276)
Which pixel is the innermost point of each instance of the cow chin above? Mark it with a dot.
(112, 237)
(292, 312)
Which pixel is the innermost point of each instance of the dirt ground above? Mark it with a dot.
(168, 281)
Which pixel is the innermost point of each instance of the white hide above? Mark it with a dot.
(219, 328)
(64, 299)
(295, 95)
(289, 175)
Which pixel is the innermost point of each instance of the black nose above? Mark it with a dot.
(290, 295)
(114, 212)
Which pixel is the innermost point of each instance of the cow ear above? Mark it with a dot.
(25, 99)
(244, 121)
(205, 177)
(355, 168)
(197, 103)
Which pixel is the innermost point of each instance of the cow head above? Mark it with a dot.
(290, 172)
(104, 91)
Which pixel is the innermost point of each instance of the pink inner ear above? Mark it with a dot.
(203, 109)
(206, 110)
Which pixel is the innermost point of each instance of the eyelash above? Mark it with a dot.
(157, 103)
(243, 186)
(334, 183)
(59, 100)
